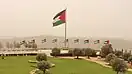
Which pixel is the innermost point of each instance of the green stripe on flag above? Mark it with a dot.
(59, 22)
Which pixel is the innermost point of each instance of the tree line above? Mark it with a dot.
(10, 45)
(117, 59)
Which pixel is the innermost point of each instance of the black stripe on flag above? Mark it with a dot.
(86, 41)
(76, 41)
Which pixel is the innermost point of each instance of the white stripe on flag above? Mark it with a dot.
(56, 19)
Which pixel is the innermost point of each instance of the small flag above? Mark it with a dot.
(44, 40)
(67, 40)
(86, 41)
(106, 42)
(33, 41)
(54, 41)
(76, 41)
(60, 18)
(23, 41)
(29, 42)
(97, 41)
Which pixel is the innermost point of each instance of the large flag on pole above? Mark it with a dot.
(106, 42)
(60, 18)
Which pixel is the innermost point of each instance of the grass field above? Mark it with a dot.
(20, 65)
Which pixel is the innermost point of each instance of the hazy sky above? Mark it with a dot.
(102, 18)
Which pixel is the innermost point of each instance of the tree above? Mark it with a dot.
(119, 65)
(14, 44)
(28, 45)
(106, 49)
(130, 59)
(110, 57)
(70, 51)
(34, 45)
(126, 55)
(38, 72)
(8, 45)
(41, 72)
(88, 52)
(1, 45)
(43, 66)
(55, 51)
(77, 52)
(18, 45)
(119, 53)
(41, 57)
(25, 44)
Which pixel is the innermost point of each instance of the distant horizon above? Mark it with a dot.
(12, 37)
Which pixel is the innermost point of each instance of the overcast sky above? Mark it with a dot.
(95, 18)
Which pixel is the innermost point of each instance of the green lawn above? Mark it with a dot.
(20, 65)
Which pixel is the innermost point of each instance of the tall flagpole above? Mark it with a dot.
(65, 30)
(65, 34)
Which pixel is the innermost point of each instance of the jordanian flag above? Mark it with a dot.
(97, 41)
(60, 18)
(86, 41)
(106, 42)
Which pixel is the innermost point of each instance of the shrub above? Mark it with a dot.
(88, 52)
(94, 53)
(62, 54)
(34, 45)
(130, 59)
(112, 61)
(38, 72)
(65, 49)
(70, 51)
(55, 51)
(126, 56)
(77, 52)
(43, 66)
(41, 57)
(106, 49)
(18, 45)
(110, 57)
(119, 65)
(118, 53)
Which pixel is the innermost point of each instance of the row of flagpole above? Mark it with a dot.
(61, 43)
(86, 41)
(76, 41)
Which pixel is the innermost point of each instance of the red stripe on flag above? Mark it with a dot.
(63, 16)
